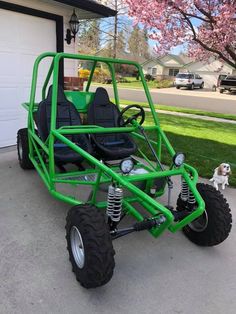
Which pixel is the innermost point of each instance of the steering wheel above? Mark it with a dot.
(141, 113)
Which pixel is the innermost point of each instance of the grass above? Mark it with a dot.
(205, 143)
(137, 84)
(183, 110)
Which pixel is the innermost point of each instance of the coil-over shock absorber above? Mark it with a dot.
(114, 204)
(187, 195)
(184, 190)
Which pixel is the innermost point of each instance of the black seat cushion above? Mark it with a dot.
(104, 113)
(67, 115)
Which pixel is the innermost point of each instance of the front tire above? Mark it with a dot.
(23, 149)
(90, 246)
(214, 225)
(202, 86)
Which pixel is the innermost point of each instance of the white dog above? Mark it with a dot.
(221, 176)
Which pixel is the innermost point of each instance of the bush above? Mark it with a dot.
(84, 73)
(164, 83)
(122, 79)
(149, 77)
(101, 75)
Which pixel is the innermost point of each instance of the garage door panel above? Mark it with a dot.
(8, 98)
(9, 64)
(20, 44)
(7, 34)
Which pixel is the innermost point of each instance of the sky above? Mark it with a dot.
(129, 22)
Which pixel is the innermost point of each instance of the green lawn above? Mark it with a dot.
(205, 143)
(179, 109)
(137, 84)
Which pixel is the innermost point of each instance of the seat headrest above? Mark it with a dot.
(101, 97)
(61, 98)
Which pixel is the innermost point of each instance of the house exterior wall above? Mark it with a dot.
(58, 9)
(162, 71)
(209, 71)
(170, 62)
(166, 70)
(152, 65)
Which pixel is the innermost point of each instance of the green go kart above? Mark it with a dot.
(81, 140)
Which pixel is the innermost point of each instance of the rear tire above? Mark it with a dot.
(221, 91)
(214, 225)
(191, 87)
(178, 87)
(90, 246)
(23, 149)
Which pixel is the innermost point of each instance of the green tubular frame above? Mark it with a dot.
(40, 152)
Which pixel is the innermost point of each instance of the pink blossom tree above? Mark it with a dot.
(208, 27)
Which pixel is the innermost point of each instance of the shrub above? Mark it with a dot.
(84, 73)
(101, 75)
(164, 83)
(149, 77)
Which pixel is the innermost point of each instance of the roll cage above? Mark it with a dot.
(42, 153)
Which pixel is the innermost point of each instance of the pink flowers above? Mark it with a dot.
(208, 27)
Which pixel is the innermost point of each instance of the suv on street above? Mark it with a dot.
(190, 80)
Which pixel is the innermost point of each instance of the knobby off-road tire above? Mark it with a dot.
(214, 226)
(94, 267)
(23, 149)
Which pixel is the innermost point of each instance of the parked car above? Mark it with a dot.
(221, 77)
(190, 80)
(228, 84)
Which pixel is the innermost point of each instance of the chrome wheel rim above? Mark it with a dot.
(199, 224)
(77, 246)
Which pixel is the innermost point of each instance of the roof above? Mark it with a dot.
(90, 6)
(181, 59)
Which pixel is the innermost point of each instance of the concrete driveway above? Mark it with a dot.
(196, 99)
(166, 275)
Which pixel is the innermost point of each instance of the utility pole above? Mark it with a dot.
(115, 31)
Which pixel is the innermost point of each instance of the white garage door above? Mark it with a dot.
(210, 78)
(22, 39)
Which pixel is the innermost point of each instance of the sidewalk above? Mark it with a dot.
(188, 115)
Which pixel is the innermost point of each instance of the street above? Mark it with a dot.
(195, 99)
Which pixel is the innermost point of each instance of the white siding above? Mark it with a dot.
(209, 71)
(151, 65)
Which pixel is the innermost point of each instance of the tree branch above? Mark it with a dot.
(203, 45)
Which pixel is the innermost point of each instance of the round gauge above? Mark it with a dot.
(179, 159)
(126, 165)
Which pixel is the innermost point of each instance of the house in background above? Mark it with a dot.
(167, 67)
(27, 29)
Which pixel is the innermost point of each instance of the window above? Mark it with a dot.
(185, 76)
(149, 70)
(173, 72)
(154, 71)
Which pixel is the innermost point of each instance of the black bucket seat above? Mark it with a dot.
(67, 115)
(104, 113)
